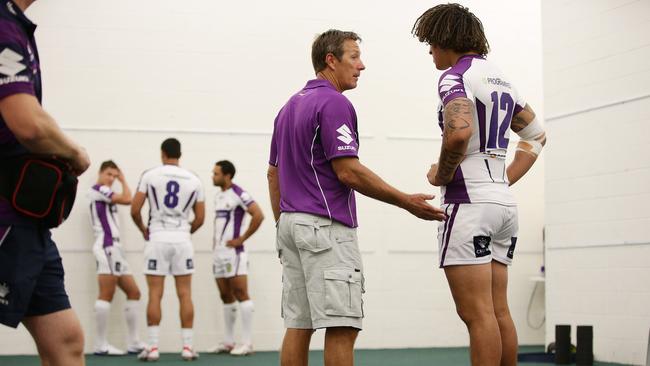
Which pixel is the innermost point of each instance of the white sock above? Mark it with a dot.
(229, 317)
(131, 313)
(187, 334)
(154, 335)
(247, 310)
(102, 310)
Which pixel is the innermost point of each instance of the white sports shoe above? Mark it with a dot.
(242, 350)
(109, 350)
(189, 354)
(222, 347)
(149, 354)
(136, 348)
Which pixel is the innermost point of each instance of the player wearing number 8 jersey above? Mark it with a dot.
(479, 106)
(172, 194)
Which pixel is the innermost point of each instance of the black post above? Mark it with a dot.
(585, 345)
(562, 344)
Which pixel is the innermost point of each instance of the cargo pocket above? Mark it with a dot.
(312, 236)
(343, 288)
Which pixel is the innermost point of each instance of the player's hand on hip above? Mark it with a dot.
(417, 205)
(234, 243)
(80, 162)
(431, 175)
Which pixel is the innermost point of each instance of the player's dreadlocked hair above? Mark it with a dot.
(452, 27)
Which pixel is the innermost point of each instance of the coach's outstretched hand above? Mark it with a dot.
(417, 205)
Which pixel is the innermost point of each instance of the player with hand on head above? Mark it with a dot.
(112, 268)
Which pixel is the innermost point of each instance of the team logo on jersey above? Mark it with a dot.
(511, 250)
(189, 263)
(345, 134)
(152, 265)
(481, 246)
(4, 291)
(10, 64)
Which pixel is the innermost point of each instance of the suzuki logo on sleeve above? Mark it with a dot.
(345, 134)
(9, 62)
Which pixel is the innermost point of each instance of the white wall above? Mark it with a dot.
(597, 102)
(121, 76)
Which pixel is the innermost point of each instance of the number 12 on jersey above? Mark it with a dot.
(496, 131)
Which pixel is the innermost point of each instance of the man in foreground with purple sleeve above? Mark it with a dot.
(32, 289)
(313, 174)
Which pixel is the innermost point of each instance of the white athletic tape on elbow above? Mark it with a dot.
(532, 137)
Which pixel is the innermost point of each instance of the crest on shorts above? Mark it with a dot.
(152, 265)
(228, 267)
(118, 267)
(189, 263)
(511, 250)
(481, 246)
(4, 291)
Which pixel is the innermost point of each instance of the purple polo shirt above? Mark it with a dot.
(316, 125)
(19, 73)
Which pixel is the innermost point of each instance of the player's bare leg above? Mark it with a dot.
(339, 346)
(184, 293)
(471, 287)
(130, 288)
(107, 284)
(156, 285)
(59, 338)
(295, 347)
(502, 312)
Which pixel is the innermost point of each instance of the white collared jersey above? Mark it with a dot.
(103, 215)
(481, 177)
(230, 208)
(171, 192)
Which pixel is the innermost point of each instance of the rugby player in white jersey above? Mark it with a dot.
(112, 268)
(230, 265)
(479, 106)
(172, 194)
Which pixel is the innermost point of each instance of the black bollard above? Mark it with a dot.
(562, 344)
(585, 345)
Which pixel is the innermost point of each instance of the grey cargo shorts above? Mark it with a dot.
(322, 273)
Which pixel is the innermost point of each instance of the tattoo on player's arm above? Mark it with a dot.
(448, 163)
(522, 119)
(458, 115)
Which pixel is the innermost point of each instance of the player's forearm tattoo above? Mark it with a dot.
(519, 122)
(457, 116)
(449, 161)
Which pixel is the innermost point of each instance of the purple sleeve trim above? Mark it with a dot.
(518, 109)
(16, 88)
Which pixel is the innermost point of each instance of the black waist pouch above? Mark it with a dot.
(41, 188)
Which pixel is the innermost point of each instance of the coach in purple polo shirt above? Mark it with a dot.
(313, 174)
(31, 273)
